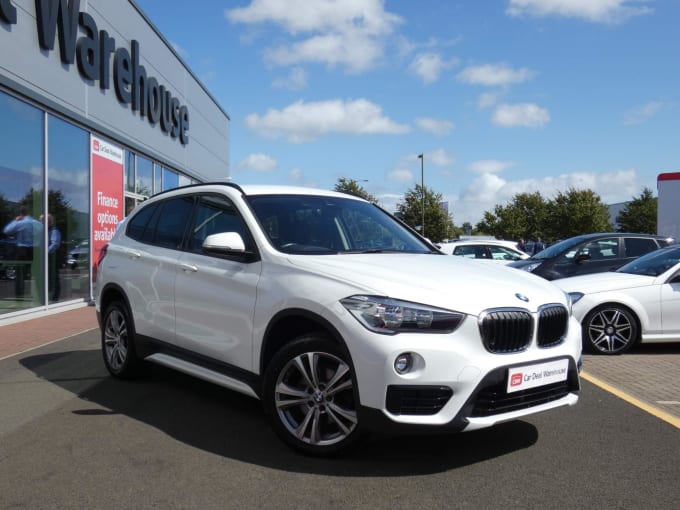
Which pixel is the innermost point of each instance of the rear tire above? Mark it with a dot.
(609, 329)
(118, 342)
(310, 396)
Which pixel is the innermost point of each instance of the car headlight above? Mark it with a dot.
(530, 267)
(575, 296)
(392, 316)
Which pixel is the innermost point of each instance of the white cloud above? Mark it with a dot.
(429, 66)
(402, 175)
(435, 126)
(259, 163)
(439, 157)
(295, 175)
(487, 100)
(489, 166)
(598, 11)
(521, 114)
(301, 122)
(642, 113)
(489, 189)
(295, 80)
(492, 75)
(347, 33)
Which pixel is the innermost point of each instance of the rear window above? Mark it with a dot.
(636, 246)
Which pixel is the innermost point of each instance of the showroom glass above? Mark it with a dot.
(68, 202)
(325, 225)
(21, 185)
(170, 179)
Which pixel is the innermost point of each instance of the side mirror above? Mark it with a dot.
(225, 243)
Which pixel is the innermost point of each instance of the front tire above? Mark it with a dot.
(118, 342)
(310, 396)
(610, 329)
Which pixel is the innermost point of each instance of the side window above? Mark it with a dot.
(215, 214)
(500, 253)
(172, 222)
(602, 249)
(136, 226)
(465, 251)
(636, 246)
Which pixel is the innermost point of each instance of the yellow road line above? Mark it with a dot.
(632, 400)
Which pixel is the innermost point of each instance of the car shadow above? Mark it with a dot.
(226, 423)
(655, 349)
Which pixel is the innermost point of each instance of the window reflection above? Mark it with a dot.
(170, 179)
(68, 205)
(21, 204)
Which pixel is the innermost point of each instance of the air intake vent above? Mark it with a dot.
(552, 325)
(506, 329)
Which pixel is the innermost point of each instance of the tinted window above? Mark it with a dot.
(172, 222)
(601, 249)
(636, 246)
(137, 224)
(215, 214)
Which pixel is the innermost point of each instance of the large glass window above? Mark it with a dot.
(21, 205)
(68, 206)
(170, 179)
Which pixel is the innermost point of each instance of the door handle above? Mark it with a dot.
(188, 268)
(133, 254)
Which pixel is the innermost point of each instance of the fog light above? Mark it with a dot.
(403, 362)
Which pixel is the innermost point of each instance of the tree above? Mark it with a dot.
(352, 187)
(438, 222)
(523, 218)
(576, 212)
(639, 215)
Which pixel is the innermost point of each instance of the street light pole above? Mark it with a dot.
(422, 192)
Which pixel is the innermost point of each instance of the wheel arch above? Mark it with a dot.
(112, 292)
(287, 325)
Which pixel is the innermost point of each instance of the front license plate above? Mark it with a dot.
(540, 374)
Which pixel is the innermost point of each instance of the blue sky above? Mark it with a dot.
(501, 96)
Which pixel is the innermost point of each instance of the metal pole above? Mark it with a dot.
(422, 192)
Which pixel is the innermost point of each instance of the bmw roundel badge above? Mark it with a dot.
(522, 297)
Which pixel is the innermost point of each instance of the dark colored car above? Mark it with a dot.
(590, 253)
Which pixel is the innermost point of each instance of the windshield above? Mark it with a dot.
(305, 224)
(557, 248)
(654, 263)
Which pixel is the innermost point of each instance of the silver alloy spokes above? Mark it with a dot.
(610, 330)
(116, 340)
(315, 398)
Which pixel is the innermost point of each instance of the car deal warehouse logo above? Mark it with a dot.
(93, 53)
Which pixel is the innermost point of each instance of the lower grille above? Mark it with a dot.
(417, 400)
(492, 397)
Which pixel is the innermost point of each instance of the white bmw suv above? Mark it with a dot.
(334, 314)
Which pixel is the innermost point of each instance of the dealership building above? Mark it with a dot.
(97, 113)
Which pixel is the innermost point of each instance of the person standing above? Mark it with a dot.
(538, 246)
(27, 231)
(54, 243)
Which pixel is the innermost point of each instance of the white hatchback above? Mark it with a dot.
(333, 313)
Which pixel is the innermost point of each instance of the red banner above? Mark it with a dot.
(107, 194)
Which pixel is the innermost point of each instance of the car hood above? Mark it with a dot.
(455, 283)
(602, 282)
(524, 262)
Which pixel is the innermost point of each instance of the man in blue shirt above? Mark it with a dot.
(28, 232)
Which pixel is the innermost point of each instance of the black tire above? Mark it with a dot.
(610, 329)
(118, 342)
(310, 396)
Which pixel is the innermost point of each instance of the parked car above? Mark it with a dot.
(79, 256)
(590, 253)
(497, 251)
(638, 302)
(332, 312)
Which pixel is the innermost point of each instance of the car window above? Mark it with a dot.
(138, 223)
(501, 253)
(307, 224)
(601, 249)
(215, 214)
(465, 251)
(636, 246)
(172, 222)
(653, 263)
